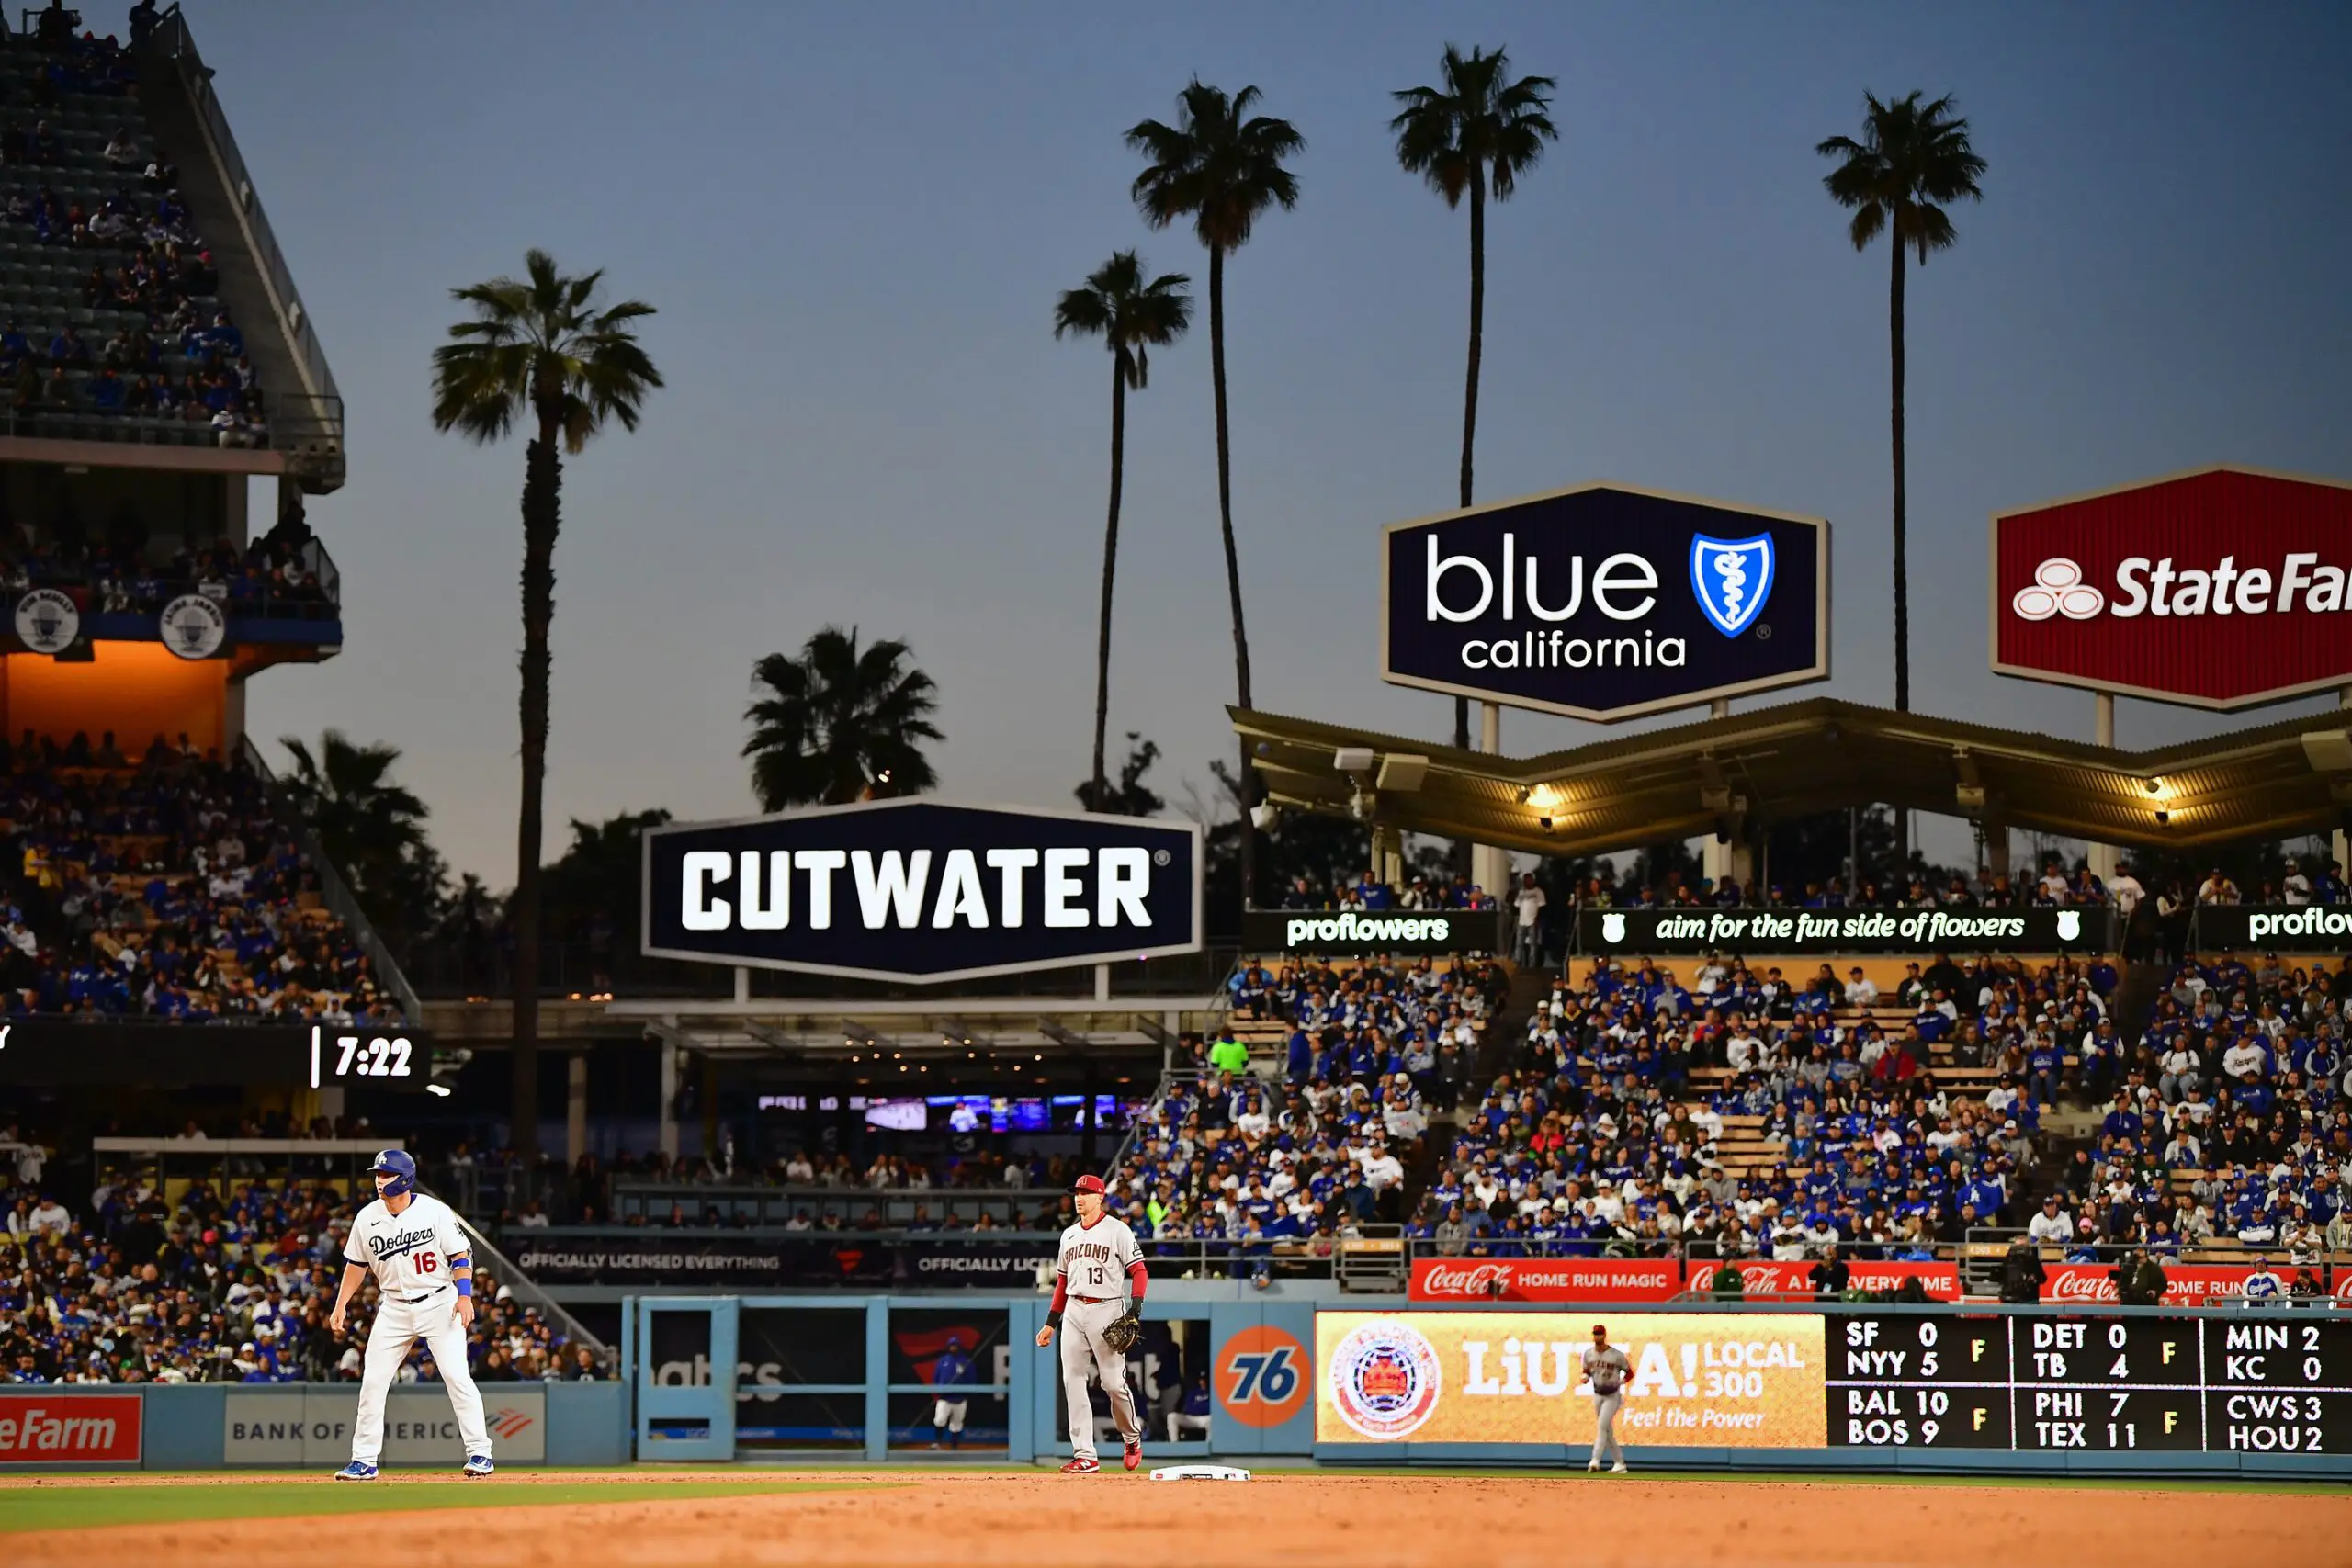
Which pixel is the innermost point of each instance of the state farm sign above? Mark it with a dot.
(2222, 588)
(57, 1427)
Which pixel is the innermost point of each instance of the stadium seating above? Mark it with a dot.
(168, 890)
(227, 1285)
(110, 327)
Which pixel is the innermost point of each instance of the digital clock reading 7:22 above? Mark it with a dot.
(337, 1057)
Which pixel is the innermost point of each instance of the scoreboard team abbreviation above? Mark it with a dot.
(2213, 1384)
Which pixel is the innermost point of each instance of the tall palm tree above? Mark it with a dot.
(1132, 317)
(1473, 136)
(371, 827)
(1221, 166)
(1913, 158)
(841, 724)
(543, 348)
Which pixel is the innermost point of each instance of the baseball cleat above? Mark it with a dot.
(477, 1465)
(1617, 1468)
(358, 1470)
(1133, 1459)
(1594, 1468)
(1080, 1467)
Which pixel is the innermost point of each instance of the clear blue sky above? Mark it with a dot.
(856, 218)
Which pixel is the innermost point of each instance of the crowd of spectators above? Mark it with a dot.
(165, 888)
(1367, 892)
(277, 573)
(231, 1284)
(172, 353)
(1231, 1164)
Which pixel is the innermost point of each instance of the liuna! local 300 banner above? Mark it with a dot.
(1511, 1377)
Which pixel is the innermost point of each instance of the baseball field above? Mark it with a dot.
(1017, 1520)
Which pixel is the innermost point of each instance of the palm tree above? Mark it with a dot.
(1221, 166)
(1475, 135)
(540, 348)
(842, 724)
(1133, 317)
(1912, 159)
(371, 827)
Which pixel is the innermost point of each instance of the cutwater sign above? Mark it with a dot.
(1605, 601)
(918, 890)
(1637, 933)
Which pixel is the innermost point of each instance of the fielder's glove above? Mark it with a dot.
(1124, 1335)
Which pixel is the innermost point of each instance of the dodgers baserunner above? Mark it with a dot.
(412, 1245)
(1099, 1282)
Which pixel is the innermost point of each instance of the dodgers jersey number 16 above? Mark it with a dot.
(409, 1251)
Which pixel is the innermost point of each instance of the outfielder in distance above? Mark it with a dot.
(1092, 1301)
(412, 1245)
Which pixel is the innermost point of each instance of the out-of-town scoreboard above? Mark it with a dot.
(2273, 1384)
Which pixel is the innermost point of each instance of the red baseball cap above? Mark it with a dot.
(1601, 1328)
(1087, 1184)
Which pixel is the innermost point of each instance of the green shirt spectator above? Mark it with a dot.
(1228, 1054)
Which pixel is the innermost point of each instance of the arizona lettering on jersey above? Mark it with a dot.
(409, 1251)
(1093, 1259)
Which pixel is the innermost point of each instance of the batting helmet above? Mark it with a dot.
(401, 1166)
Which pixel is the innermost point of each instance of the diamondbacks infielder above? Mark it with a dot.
(1606, 1368)
(412, 1245)
(1096, 1271)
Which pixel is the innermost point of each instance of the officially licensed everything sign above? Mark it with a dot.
(1638, 931)
(918, 890)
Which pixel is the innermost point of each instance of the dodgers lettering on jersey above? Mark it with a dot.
(1093, 1258)
(409, 1251)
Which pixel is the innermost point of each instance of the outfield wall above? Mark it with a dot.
(1947, 1388)
(296, 1427)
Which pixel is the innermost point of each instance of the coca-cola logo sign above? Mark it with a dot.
(2186, 1284)
(1546, 1279)
(2221, 588)
(1766, 1277)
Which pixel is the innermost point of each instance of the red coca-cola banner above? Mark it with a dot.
(2221, 588)
(1766, 1277)
(1545, 1278)
(52, 1427)
(2187, 1284)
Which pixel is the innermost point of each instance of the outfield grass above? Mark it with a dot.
(165, 1502)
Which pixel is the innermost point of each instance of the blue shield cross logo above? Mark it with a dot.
(1730, 579)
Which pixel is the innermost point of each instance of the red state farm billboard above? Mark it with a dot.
(2222, 588)
(52, 1427)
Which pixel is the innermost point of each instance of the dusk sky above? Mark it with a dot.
(855, 221)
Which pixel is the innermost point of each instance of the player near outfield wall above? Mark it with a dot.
(1099, 1283)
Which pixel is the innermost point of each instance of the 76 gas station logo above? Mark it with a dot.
(1262, 1376)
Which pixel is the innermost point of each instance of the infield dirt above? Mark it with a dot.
(1298, 1521)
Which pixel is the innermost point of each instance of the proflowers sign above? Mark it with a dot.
(2310, 928)
(1638, 931)
(2221, 588)
(1356, 932)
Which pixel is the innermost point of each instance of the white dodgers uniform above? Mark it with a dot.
(409, 1253)
(1091, 1279)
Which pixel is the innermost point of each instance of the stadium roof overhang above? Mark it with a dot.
(1800, 759)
